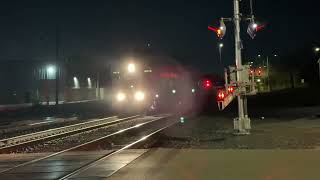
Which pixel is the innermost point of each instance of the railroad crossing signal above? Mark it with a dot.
(253, 28)
(220, 31)
(225, 98)
(205, 84)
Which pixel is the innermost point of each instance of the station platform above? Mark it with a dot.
(176, 164)
(194, 164)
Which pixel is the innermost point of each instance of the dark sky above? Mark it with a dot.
(100, 28)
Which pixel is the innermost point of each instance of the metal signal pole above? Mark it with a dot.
(242, 123)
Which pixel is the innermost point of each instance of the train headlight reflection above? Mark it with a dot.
(139, 96)
(121, 97)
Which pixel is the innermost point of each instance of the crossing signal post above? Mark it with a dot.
(239, 75)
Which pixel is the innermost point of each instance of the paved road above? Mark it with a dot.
(190, 164)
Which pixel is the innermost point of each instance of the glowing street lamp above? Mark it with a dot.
(317, 49)
(220, 51)
(51, 71)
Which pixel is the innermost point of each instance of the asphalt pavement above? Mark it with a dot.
(193, 164)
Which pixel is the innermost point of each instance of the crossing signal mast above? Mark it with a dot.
(238, 83)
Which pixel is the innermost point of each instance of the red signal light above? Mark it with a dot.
(221, 96)
(230, 89)
(221, 31)
(207, 84)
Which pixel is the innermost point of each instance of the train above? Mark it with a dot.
(141, 88)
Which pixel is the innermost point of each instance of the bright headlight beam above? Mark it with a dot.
(121, 97)
(139, 96)
(131, 68)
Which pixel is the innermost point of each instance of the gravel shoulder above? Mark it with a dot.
(215, 132)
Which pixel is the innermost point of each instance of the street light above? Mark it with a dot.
(51, 72)
(220, 50)
(317, 50)
(268, 69)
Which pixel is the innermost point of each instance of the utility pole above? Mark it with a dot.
(57, 73)
(242, 123)
(319, 68)
(47, 87)
(268, 74)
(98, 86)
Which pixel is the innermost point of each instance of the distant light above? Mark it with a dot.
(259, 55)
(317, 49)
(157, 95)
(121, 97)
(207, 84)
(255, 25)
(230, 89)
(51, 69)
(76, 83)
(258, 80)
(275, 55)
(182, 119)
(131, 68)
(221, 27)
(139, 96)
(221, 95)
(148, 71)
(174, 91)
(132, 86)
(51, 72)
(220, 45)
(193, 90)
(116, 72)
(89, 83)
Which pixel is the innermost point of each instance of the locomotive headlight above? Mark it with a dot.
(139, 96)
(121, 97)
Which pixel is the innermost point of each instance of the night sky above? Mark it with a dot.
(177, 28)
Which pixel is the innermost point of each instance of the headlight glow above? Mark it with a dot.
(121, 97)
(139, 96)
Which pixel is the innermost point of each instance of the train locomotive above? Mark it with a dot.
(159, 89)
(140, 88)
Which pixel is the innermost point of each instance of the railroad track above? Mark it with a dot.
(22, 140)
(152, 127)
